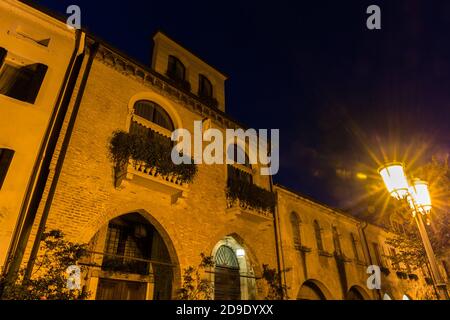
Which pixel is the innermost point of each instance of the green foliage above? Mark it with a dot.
(194, 286)
(49, 277)
(250, 195)
(154, 153)
(277, 290)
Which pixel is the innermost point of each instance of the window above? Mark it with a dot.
(239, 175)
(376, 250)
(176, 69)
(354, 246)
(204, 87)
(2, 55)
(318, 234)
(241, 172)
(20, 80)
(151, 111)
(238, 155)
(155, 114)
(125, 241)
(295, 225)
(444, 264)
(394, 258)
(6, 156)
(336, 241)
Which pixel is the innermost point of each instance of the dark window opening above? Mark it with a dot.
(153, 112)
(238, 155)
(126, 241)
(6, 156)
(238, 175)
(318, 234)
(205, 88)
(176, 69)
(336, 241)
(21, 82)
(295, 224)
(354, 246)
(376, 250)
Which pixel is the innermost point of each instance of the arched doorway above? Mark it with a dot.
(133, 261)
(310, 290)
(355, 294)
(233, 275)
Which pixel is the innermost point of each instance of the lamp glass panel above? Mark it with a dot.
(395, 180)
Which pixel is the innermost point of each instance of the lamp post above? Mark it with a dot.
(419, 200)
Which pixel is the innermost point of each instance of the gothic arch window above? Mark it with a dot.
(176, 69)
(318, 234)
(336, 241)
(295, 225)
(354, 245)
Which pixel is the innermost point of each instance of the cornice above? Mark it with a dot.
(158, 83)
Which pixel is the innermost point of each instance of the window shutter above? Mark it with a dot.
(6, 156)
(2, 55)
(39, 74)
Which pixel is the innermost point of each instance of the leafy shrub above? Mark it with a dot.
(49, 278)
(154, 153)
(250, 195)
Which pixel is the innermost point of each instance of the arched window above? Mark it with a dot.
(176, 69)
(354, 246)
(295, 225)
(152, 121)
(205, 88)
(336, 241)
(318, 234)
(153, 112)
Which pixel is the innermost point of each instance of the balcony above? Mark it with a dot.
(147, 162)
(249, 201)
(178, 82)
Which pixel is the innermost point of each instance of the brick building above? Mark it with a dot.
(144, 228)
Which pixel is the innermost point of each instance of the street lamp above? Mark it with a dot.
(419, 200)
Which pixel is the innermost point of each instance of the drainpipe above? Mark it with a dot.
(38, 178)
(61, 157)
(278, 241)
(367, 250)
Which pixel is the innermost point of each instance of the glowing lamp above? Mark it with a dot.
(421, 195)
(395, 180)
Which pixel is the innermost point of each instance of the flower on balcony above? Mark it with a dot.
(250, 195)
(154, 153)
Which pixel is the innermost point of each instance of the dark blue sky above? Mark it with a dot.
(336, 90)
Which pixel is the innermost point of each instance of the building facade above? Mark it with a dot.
(145, 222)
(36, 52)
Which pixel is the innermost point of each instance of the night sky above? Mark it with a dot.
(337, 91)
